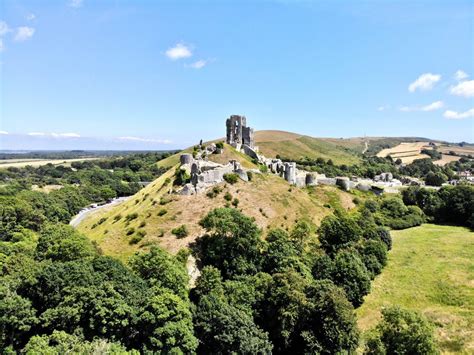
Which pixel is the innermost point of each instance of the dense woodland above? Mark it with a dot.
(276, 291)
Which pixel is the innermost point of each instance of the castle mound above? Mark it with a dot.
(153, 213)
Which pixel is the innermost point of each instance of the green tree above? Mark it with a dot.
(165, 324)
(59, 342)
(161, 269)
(351, 274)
(63, 243)
(402, 332)
(17, 317)
(338, 231)
(232, 243)
(225, 329)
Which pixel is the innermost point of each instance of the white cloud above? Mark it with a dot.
(145, 140)
(178, 52)
(30, 17)
(453, 115)
(4, 29)
(199, 64)
(383, 107)
(424, 82)
(3, 132)
(23, 33)
(464, 88)
(460, 75)
(2, 47)
(76, 3)
(431, 107)
(54, 135)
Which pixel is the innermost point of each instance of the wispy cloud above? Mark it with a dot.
(3, 132)
(2, 47)
(464, 88)
(453, 115)
(24, 33)
(424, 82)
(30, 17)
(179, 51)
(460, 75)
(383, 107)
(76, 3)
(431, 107)
(4, 29)
(54, 135)
(144, 140)
(199, 64)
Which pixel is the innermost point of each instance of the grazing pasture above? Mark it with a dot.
(430, 269)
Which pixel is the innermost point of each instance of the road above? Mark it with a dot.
(91, 209)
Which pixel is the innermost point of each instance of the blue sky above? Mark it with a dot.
(164, 74)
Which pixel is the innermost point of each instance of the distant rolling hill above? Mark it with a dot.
(296, 146)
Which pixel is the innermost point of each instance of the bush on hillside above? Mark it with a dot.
(231, 178)
(180, 232)
(401, 332)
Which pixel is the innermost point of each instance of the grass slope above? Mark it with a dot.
(267, 198)
(228, 154)
(430, 269)
(295, 146)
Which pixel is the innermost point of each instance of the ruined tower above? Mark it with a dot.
(238, 133)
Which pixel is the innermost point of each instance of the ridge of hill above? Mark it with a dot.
(295, 146)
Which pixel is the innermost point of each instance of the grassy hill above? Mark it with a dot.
(267, 198)
(296, 146)
(429, 270)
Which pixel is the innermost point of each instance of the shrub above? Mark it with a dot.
(130, 231)
(227, 196)
(164, 201)
(131, 216)
(181, 177)
(142, 224)
(401, 332)
(263, 168)
(117, 218)
(137, 237)
(235, 202)
(162, 212)
(249, 175)
(180, 232)
(220, 145)
(231, 178)
(216, 190)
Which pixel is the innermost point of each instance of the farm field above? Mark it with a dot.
(21, 163)
(430, 269)
(407, 152)
(446, 159)
(466, 150)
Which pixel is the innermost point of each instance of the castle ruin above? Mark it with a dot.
(238, 134)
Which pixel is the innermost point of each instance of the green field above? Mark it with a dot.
(430, 269)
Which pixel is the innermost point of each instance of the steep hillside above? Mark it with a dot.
(296, 146)
(267, 198)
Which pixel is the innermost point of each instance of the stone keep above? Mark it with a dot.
(238, 133)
